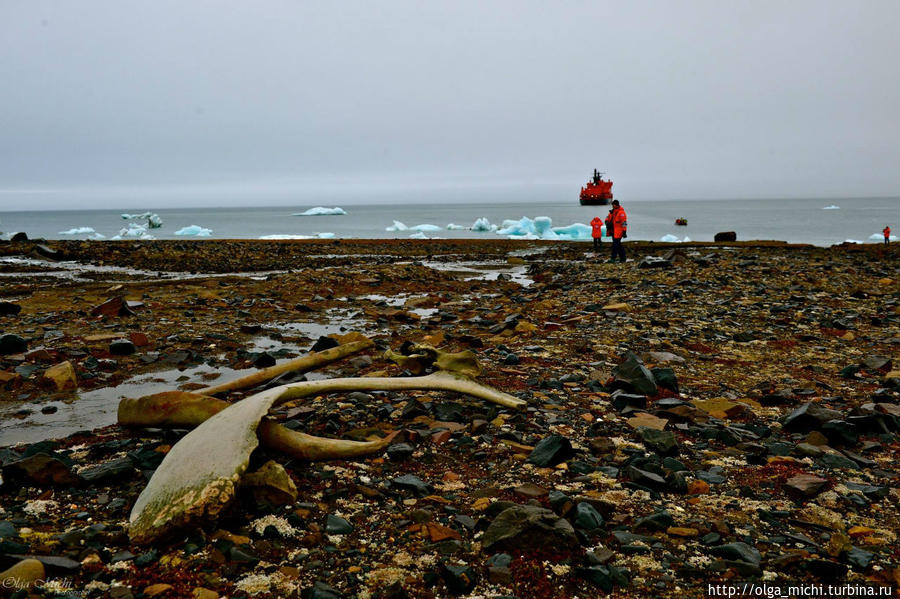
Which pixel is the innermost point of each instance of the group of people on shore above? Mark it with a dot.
(616, 224)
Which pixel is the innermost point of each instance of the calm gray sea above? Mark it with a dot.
(816, 221)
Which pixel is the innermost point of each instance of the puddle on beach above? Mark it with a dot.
(87, 410)
(485, 271)
(79, 272)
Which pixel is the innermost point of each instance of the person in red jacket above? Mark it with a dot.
(887, 234)
(597, 232)
(617, 228)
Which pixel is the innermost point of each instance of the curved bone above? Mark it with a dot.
(304, 363)
(198, 477)
(307, 447)
(170, 408)
(177, 408)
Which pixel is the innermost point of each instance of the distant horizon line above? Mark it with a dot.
(463, 202)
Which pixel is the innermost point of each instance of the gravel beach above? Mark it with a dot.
(705, 414)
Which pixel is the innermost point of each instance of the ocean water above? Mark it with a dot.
(820, 222)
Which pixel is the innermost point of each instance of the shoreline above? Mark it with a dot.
(764, 449)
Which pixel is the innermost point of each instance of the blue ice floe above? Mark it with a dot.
(483, 225)
(452, 227)
(880, 237)
(194, 231)
(542, 228)
(832, 207)
(321, 211)
(153, 220)
(78, 231)
(133, 231)
(398, 226)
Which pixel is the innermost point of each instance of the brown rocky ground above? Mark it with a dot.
(730, 416)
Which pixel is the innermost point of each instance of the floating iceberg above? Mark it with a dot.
(134, 231)
(418, 235)
(483, 225)
(452, 227)
(669, 238)
(574, 232)
(880, 237)
(321, 211)
(832, 207)
(398, 226)
(78, 231)
(278, 236)
(153, 220)
(194, 231)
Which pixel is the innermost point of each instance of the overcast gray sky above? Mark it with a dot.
(227, 100)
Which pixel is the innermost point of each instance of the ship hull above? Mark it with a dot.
(593, 201)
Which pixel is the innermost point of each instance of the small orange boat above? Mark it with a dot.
(597, 192)
(681, 222)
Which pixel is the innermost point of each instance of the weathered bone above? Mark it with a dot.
(304, 363)
(178, 408)
(307, 447)
(198, 477)
(170, 408)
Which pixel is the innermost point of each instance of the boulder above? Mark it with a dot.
(725, 236)
(22, 574)
(550, 451)
(524, 527)
(271, 484)
(12, 344)
(9, 309)
(633, 376)
(61, 377)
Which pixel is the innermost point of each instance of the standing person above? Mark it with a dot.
(617, 228)
(887, 234)
(597, 232)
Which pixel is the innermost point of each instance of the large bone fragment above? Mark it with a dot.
(177, 408)
(307, 447)
(303, 363)
(198, 477)
(170, 408)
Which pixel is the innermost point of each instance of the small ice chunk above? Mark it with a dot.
(483, 225)
(669, 238)
(154, 221)
(321, 211)
(418, 235)
(452, 227)
(397, 226)
(573, 232)
(194, 231)
(325, 235)
(78, 231)
(686, 239)
(832, 207)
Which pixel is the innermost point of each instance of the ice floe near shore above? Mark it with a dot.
(321, 211)
(398, 226)
(78, 231)
(278, 236)
(669, 238)
(194, 231)
(832, 207)
(153, 220)
(541, 227)
(133, 231)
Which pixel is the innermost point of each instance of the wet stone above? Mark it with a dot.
(320, 590)
(661, 442)
(122, 347)
(12, 344)
(460, 580)
(335, 525)
(524, 526)
(550, 451)
(412, 483)
(739, 552)
(399, 452)
(587, 517)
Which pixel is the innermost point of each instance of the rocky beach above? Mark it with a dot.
(714, 413)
